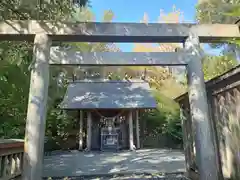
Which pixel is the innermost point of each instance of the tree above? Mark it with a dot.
(16, 59)
(235, 13)
(164, 121)
(216, 65)
(217, 11)
(61, 126)
(213, 11)
(39, 10)
(160, 76)
(85, 14)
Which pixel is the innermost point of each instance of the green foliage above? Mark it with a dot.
(39, 10)
(218, 11)
(61, 124)
(14, 86)
(214, 11)
(216, 65)
(235, 12)
(16, 59)
(227, 12)
(163, 122)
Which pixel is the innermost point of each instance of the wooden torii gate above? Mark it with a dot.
(43, 33)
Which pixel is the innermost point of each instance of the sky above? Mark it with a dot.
(133, 11)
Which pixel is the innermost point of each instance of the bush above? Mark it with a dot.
(163, 124)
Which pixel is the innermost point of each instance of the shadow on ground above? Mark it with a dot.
(148, 161)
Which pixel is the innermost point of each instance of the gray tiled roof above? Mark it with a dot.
(108, 95)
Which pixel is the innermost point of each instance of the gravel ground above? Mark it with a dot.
(144, 161)
(126, 177)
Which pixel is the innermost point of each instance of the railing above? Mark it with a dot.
(11, 158)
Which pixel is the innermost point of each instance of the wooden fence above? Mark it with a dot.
(11, 158)
(224, 104)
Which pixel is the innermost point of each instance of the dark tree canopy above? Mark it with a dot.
(39, 10)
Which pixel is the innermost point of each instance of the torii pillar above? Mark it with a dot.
(37, 109)
(205, 152)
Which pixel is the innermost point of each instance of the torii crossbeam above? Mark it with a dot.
(116, 32)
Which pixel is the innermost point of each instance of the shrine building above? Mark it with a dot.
(108, 112)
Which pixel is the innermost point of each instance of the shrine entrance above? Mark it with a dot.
(43, 33)
(111, 131)
(109, 111)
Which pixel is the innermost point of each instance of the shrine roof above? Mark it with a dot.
(135, 94)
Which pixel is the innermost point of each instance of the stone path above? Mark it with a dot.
(148, 161)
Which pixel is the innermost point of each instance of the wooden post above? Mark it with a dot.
(216, 116)
(89, 130)
(206, 159)
(80, 130)
(1, 165)
(213, 114)
(228, 136)
(37, 109)
(186, 142)
(5, 167)
(137, 129)
(130, 118)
